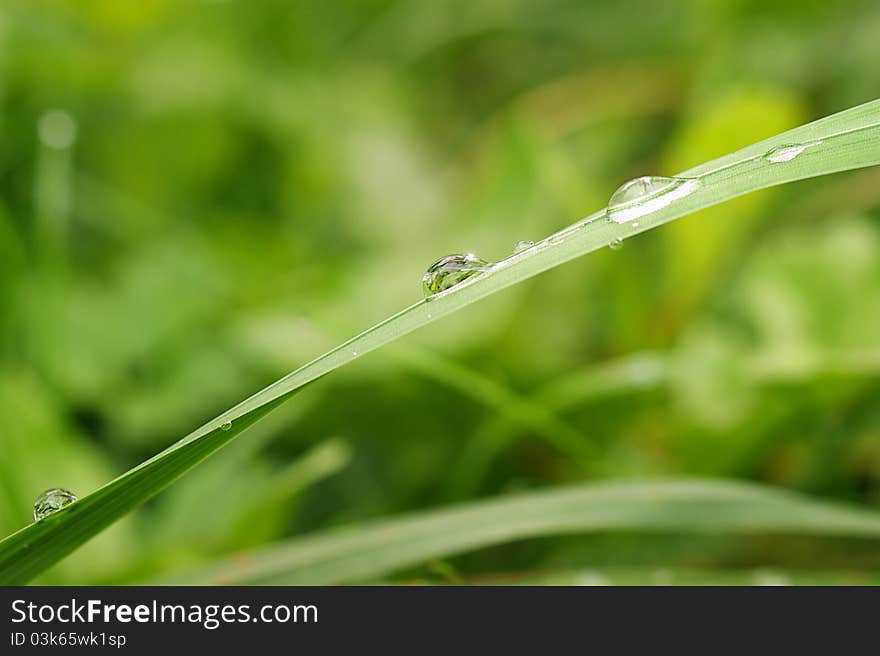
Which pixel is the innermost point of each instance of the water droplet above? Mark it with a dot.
(556, 239)
(52, 501)
(592, 579)
(57, 129)
(647, 194)
(788, 152)
(451, 270)
(663, 577)
(616, 244)
(354, 353)
(523, 245)
(226, 425)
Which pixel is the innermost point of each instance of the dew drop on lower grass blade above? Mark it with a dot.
(647, 194)
(226, 426)
(51, 501)
(788, 152)
(523, 245)
(57, 129)
(616, 244)
(449, 271)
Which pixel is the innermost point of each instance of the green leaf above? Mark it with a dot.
(847, 140)
(364, 553)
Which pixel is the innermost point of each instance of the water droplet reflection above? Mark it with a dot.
(449, 271)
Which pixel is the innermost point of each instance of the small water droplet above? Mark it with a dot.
(226, 426)
(647, 194)
(523, 245)
(354, 353)
(52, 501)
(615, 244)
(451, 270)
(788, 152)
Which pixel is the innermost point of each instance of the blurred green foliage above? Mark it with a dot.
(196, 197)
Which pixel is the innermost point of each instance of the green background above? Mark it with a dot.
(197, 197)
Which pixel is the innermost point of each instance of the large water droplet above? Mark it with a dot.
(647, 194)
(451, 270)
(523, 245)
(616, 244)
(226, 425)
(788, 152)
(52, 501)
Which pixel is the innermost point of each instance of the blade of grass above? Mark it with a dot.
(847, 140)
(623, 375)
(363, 553)
(678, 576)
(518, 410)
(648, 371)
(171, 517)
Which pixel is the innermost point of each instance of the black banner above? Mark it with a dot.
(415, 619)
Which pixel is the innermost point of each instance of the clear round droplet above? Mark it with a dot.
(615, 244)
(788, 152)
(226, 426)
(57, 129)
(645, 195)
(449, 271)
(51, 501)
(523, 245)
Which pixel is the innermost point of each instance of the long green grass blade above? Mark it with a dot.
(367, 552)
(847, 140)
(665, 576)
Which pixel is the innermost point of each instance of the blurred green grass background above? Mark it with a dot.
(197, 197)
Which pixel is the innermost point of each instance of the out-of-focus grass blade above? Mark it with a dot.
(364, 553)
(847, 140)
(679, 576)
